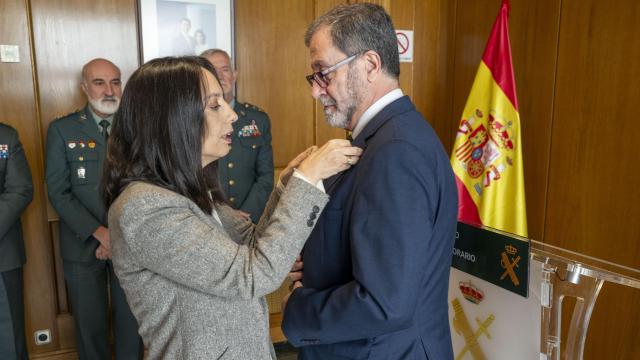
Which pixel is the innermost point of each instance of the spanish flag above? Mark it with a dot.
(487, 154)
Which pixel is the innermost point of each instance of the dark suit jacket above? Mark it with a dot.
(249, 164)
(16, 192)
(376, 267)
(75, 154)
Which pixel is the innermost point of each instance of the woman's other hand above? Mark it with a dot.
(285, 175)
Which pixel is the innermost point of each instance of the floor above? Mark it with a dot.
(285, 351)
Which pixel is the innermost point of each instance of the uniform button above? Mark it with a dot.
(232, 199)
(310, 223)
(312, 216)
(231, 182)
(230, 165)
(315, 209)
(80, 158)
(253, 146)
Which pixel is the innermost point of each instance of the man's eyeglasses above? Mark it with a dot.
(320, 77)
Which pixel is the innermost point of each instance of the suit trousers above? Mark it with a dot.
(13, 344)
(88, 285)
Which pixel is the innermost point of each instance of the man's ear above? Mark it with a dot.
(83, 87)
(373, 65)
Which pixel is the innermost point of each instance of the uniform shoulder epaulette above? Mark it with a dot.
(69, 114)
(252, 107)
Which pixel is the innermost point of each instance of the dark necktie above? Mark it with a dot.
(105, 126)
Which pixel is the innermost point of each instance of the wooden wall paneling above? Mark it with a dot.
(69, 33)
(272, 62)
(433, 65)
(387, 4)
(403, 15)
(593, 199)
(324, 132)
(66, 35)
(534, 27)
(18, 108)
(593, 195)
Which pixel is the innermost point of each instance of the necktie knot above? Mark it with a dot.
(105, 128)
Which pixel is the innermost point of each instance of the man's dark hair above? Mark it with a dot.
(158, 131)
(356, 28)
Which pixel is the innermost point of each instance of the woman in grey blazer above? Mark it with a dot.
(194, 271)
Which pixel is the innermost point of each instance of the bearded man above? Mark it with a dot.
(76, 146)
(376, 266)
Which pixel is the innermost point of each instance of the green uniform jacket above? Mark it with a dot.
(246, 173)
(75, 153)
(16, 192)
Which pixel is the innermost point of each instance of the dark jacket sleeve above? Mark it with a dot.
(263, 184)
(70, 209)
(18, 187)
(393, 210)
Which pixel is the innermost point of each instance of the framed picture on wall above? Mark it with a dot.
(184, 27)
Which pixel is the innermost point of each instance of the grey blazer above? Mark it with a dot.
(197, 287)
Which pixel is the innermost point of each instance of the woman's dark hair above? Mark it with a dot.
(158, 131)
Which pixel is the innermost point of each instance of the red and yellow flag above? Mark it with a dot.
(487, 155)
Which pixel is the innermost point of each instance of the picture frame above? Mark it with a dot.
(184, 27)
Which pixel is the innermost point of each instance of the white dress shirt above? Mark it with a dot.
(375, 108)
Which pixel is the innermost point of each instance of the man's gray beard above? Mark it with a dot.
(105, 107)
(342, 118)
(337, 118)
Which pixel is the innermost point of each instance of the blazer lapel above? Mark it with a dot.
(330, 182)
(399, 106)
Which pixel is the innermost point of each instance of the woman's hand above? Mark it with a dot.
(296, 270)
(285, 175)
(333, 157)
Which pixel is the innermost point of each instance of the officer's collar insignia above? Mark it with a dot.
(250, 130)
(4, 151)
(252, 107)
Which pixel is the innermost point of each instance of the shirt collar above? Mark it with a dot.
(97, 118)
(375, 108)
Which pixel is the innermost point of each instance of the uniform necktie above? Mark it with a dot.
(105, 126)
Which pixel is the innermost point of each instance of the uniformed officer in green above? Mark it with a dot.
(246, 174)
(76, 146)
(16, 192)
